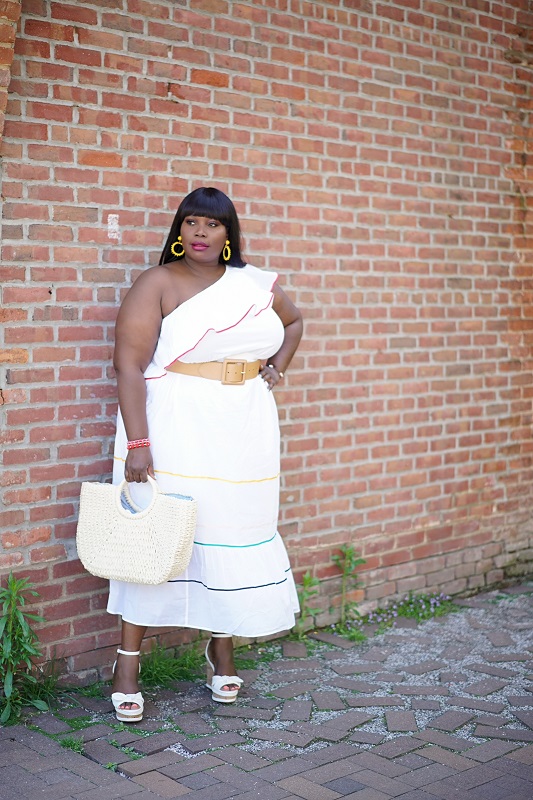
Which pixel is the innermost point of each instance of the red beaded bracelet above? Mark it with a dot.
(137, 443)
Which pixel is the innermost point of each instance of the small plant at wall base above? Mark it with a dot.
(419, 607)
(18, 646)
(307, 591)
(347, 562)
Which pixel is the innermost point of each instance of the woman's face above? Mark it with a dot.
(203, 239)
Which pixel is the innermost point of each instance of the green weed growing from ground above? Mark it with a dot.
(510, 597)
(162, 667)
(266, 653)
(241, 662)
(351, 630)
(78, 723)
(93, 690)
(131, 752)
(120, 727)
(348, 562)
(418, 607)
(306, 592)
(72, 743)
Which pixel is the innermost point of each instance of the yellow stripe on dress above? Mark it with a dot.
(206, 477)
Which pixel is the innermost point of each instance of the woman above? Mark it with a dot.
(201, 340)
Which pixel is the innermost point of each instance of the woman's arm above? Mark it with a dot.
(293, 324)
(136, 335)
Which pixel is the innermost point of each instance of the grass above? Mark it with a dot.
(93, 690)
(418, 607)
(45, 688)
(161, 667)
(241, 662)
(120, 727)
(78, 723)
(265, 654)
(130, 751)
(72, 743)
(351, 630)
(311, 645)
(508, 596)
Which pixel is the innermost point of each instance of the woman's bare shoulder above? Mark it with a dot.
(153, 280)
(155, 275)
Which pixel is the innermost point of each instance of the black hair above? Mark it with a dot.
(213, 204)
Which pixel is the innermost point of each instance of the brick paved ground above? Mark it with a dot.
(439, 710)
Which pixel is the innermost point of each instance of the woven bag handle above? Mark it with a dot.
(123, 487)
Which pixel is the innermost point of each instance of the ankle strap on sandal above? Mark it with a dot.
(128, 652)
(221, 636)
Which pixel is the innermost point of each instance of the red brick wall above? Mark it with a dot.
(9, 15)
(377, 154)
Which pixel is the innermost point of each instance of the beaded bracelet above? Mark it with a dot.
(137, 443)
(273, 366)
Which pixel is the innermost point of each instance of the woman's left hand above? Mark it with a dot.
(270, 375)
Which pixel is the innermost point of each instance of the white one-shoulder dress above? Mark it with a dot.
(220, 444)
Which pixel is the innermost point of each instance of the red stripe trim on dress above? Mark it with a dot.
(268, 305)
(223, 330)
(210, 330)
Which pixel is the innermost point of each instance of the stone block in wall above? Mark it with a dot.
(476, 582)
(454, 587)
(415, 584)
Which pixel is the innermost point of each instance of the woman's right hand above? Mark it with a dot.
(138, 465)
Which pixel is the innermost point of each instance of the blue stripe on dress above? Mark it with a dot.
(238, 546)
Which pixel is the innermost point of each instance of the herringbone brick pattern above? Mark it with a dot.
(442, 736)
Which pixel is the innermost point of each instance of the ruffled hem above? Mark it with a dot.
(191, 627)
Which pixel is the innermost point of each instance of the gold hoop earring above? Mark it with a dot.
(180, 254)
(226, 253)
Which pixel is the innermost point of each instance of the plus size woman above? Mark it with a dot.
(201, 340)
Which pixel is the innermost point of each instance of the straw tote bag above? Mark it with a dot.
(117, 539)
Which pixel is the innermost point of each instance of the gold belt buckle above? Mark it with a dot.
(233, 372)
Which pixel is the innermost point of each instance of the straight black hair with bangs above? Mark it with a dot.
(213, 204)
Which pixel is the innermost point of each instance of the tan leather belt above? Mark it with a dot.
(231, 371)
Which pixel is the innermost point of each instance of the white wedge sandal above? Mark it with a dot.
(119, 698)
(216, 682)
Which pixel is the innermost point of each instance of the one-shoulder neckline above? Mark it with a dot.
(202, 291)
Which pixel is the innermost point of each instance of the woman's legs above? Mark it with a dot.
(126, 675)
(221, 652)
